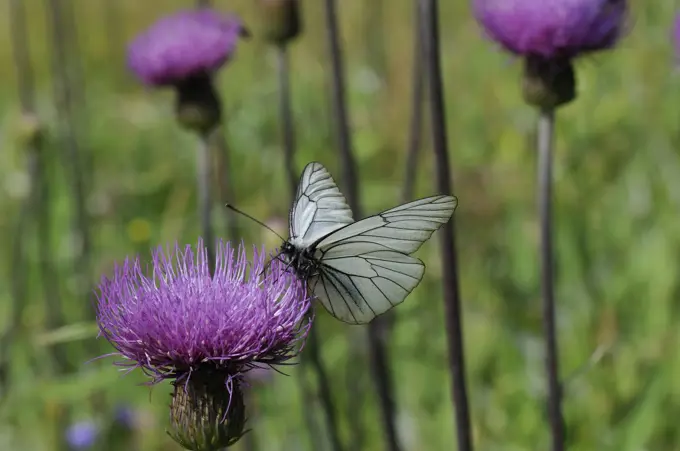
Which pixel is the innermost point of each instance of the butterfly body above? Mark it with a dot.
(302, 261)
(357, 270)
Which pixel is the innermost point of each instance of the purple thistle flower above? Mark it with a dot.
(184, 50)
(549, 34)
(552, 28)
(184, 45)
(82, 435)
(179, 317)
(203, 332)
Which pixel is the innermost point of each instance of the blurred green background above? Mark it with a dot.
(618, 234)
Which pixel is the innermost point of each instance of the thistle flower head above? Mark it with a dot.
(203, 331)
(552, 28)
(184, 50)
(549, 34)
(184, 45)
(177, 317)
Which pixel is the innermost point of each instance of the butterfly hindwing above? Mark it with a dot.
(359, 281)
(365, 268)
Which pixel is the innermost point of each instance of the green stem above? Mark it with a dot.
(205, 201)
(546, 125)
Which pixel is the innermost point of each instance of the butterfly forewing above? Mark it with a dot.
(403, 229)
(319, 207)
(365, 268)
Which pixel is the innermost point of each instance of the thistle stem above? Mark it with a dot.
(205, 201)
(342, 129)
(382, 376)
(375, 38)
(18, 280)
(18, 287)
(308, 401)
(546, 124)
(112, 23)
(225, 181)
(413, 144)
(417, 104)
(286, 113)
(429, 12)
(72, 53)
(288, 144)
(379, 359)
(43, 212)
(37, 176)
(324, 389)
(21, 54)
(72, 156)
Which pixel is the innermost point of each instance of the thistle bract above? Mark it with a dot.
(552, 28)
(206, 414)
(280, 19)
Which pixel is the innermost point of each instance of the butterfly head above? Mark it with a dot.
(301, 260)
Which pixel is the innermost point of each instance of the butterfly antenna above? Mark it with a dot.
(268, 265)
(234, 209)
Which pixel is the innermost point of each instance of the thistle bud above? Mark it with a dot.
(197, 105)
(29, 130)
(207, 413)
(548, 83)
(280, 20)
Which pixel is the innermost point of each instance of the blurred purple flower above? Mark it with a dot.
(552, 28)
(125, 416)
(82, 435)
(183, 45)
(178, 317)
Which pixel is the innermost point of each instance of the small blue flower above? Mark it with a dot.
(125, 416)
(82, 435)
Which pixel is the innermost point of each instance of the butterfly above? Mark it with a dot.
(357, 270)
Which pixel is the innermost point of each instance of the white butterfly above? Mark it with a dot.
(357, 270)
